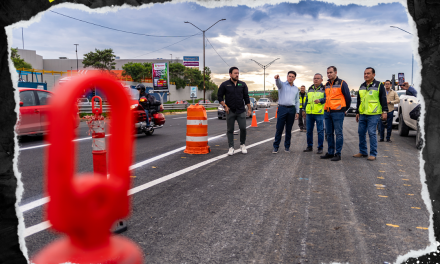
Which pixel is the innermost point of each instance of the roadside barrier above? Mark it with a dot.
(85, 207)
(266, 117)
(197, 130)
(254, 120)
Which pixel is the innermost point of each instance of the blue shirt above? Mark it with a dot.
(287, 94)
(411, 91)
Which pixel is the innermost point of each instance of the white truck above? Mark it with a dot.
(407, 104)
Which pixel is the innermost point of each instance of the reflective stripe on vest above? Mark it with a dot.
(302, 100)
(312, 107)
(370, 101)
(335, 100)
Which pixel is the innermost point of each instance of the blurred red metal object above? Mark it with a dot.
(85, 208)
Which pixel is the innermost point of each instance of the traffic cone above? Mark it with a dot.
(266, 117)
(276, 113)
(254, 120)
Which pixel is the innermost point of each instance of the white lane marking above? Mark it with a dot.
(36, 228)
(45, 145)
(44, 225)
(44, 200)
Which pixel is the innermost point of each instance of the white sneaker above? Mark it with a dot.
(231, 151)
(243, 149)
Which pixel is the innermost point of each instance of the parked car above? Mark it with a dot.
(253, 103)
(84, 102)
(216, 102)
(205, 102)
(263, 102)
(352, 109)
(34, 107)
(406, 123)
(396, 109)
(181, 102)
(222, 113)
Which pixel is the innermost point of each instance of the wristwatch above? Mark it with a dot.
(384, 112)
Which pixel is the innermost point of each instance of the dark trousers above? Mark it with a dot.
(333, 126)
(389, 126)
(230, 123)
(302, 122)
(285, 118)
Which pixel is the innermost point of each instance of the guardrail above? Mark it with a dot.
(86, 109)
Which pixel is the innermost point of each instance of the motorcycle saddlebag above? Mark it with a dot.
(159, 119)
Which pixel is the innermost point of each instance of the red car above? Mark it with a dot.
(181, 102)
(33, 112)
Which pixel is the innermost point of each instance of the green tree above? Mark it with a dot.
(137, 71)
(214, 93)
(19, 63)
(177, 74)
(194, 77)
(104, 60)
(274, 95)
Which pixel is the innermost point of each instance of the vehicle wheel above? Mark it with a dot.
(150, 132)
(419, 140)
(403, 128)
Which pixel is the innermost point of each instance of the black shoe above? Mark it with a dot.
(337, 157)
(389, 140)
(381, 140)
(275, 150)
(308, 150)
(319, 151)
(327, 156)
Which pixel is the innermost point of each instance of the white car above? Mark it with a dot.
(406, 123)
(263, 102)
(84, 102)
(396, 109)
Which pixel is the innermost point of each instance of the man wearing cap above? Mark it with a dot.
(371, 104)
(288, 108)
(236, 94)
(314, 112)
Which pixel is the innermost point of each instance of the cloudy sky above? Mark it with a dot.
(307, 37)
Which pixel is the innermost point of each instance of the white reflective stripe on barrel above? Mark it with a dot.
(196, 139)
(197, 122)
(98, 144)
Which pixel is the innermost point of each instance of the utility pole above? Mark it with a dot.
(264, 71)
(412, 57)
(204, 90)
(76, 50)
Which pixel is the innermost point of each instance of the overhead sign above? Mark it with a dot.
(191, 61)
(160, 76)
(193, 92)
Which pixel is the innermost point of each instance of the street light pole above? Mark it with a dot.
(264, 72)
(76, 50)
(412, 57)
(204, 52)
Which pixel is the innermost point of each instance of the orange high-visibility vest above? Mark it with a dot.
(335, 100)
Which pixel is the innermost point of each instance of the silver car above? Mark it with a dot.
(396, 109)
(263, 102)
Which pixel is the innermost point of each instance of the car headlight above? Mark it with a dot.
(133, 106)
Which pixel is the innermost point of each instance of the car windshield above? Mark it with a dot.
(263, 100)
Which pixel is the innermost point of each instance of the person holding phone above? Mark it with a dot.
(371, 104)
(409, 89)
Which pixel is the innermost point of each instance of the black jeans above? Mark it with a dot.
(389, 126)
(302, 123)
(230, 123)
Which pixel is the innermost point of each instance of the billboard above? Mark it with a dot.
(160, 76)
(191, 61)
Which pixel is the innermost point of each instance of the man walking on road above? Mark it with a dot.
(314, 108)
(371, 103)
(337, 96)
(236, 94)
(288, 106)
(302, 122)
(392, 98)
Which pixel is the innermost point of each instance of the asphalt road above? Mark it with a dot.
(259, 207)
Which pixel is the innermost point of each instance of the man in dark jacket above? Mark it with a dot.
(302, 121)
(149, 100)
(236, 94)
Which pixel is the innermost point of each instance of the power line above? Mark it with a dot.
(134, 33)
(167, 46)
(217, 52)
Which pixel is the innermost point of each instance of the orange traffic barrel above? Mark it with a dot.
(197, 130)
